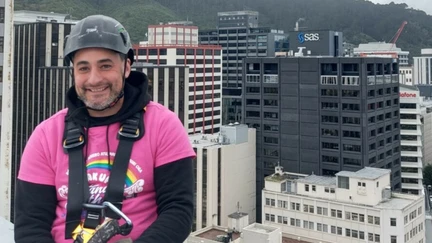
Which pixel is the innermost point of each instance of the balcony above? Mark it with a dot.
(387, 79)
(411, 143)
(370, 80)
(410, 121)
(412, 186)
(329, 80)
(410, 111)
(412, 175)
(411, 132)
(271, 78)
(351, 80)
(253, 78)
(412, 154)
(411, 164)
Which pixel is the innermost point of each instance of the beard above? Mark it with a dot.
(99, 105)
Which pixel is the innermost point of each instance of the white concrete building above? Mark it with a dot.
(406, 75)
(27, 16)
(225, 175)
(351, 207)
(382, 49)
(253, 233)
(411, 139)
(423, 67)
(426, 111)
(205, 70)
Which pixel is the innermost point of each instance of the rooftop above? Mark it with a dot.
(237, 215)
(289, 240)
(213, 233)
(365, 173)
(377, 46)
(237, 13)
(398, 201)
(261, 228)
(285, 176)
(319, 180)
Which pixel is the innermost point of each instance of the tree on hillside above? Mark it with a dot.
(427, 175)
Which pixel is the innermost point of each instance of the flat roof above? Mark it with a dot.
(365, 173)
(395, 202)
(290, 240)
(284, 176)
(213, 233)
(237, 215)
(319, 180)
(261, 228)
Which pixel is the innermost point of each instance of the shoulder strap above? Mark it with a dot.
(130, 131)
(78, 193)
(73, 143)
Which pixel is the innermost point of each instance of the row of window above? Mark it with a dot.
(322, 210)
(356, 93)
(357, 234)
(413, 232)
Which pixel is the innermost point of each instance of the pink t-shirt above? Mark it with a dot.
(44, 162)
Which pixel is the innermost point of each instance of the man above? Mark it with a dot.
(158, 190)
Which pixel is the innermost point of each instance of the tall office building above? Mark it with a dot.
(176, 44)
(422, 73)
(412, 143)
(39, 85)
(323, 115)
(2, 18)
(239, 35)
(224, 171)
(167, 86)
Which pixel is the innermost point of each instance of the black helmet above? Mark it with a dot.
(98, 31)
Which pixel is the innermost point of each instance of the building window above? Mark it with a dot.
(306, 188)
(330, 146)
(2, 14)
(393, 239)
(392, 221)
(343, 182)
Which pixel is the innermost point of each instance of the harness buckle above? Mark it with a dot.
(74, 138)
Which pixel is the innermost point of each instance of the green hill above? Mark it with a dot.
(360, 20)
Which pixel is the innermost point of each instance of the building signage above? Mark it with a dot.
(407, 95)
(302, 37)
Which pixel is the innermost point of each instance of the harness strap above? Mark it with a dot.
(78, 183)
(78, 193)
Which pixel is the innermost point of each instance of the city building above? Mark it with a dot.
(168, 86)
(27, 16)
(350, 207)
(2, 19)
(240, 36)
(411, 139)
(426, 112)
(423, 67)
(406, 75)
(323, 115)
(383, 49)
(224, 170)
(204, 63)
(38, 86)
(318, 42)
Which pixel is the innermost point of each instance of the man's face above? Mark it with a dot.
(98, 76)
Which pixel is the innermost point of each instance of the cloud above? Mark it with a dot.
(424, 5)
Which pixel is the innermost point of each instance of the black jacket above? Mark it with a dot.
(35, 204)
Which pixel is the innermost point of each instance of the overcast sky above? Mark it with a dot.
(425, 5)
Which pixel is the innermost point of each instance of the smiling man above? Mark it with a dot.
(112, 158)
